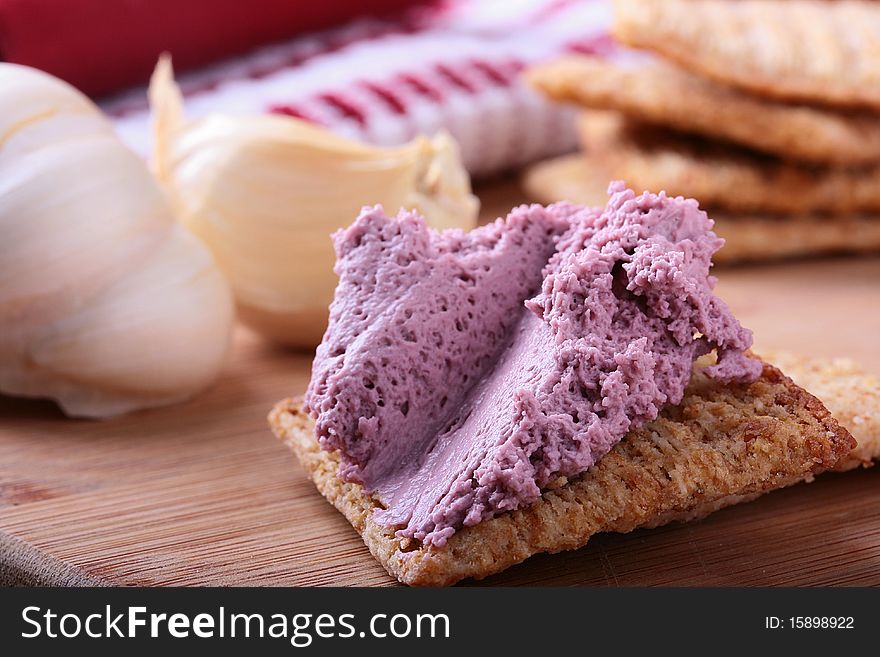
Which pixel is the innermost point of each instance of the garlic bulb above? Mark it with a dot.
(106, 303)
(265, 193)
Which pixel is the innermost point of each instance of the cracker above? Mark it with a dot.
(850, 393)
(724, 443)
(662, 94)
(749, 237)
(825, 51)
(723, 176)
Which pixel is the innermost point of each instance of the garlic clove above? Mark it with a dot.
(106, 304)
(37, 109)
(265, 194)
(442, 185)
(55, 241)
(151, 311)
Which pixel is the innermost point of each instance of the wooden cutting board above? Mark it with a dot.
(201, 493)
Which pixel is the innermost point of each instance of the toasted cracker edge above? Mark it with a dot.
(850, 393)
(658, 474)
(748, 237)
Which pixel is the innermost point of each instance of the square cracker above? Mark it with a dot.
(584, 180)
(723, 175)
(825, 51)
(722, 445)
(662, 94)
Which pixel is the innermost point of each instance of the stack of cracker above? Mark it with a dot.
(768, 112)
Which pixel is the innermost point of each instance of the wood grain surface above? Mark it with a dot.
(201, 493)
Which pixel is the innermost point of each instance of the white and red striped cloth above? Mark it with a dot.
(453, 66)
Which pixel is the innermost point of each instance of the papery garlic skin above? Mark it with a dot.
(265, 193)
(107, 305)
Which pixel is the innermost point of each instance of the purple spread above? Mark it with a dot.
(452, 400)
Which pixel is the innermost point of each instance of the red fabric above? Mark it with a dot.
(103, 45)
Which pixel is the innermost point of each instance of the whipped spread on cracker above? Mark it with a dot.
(464, 373)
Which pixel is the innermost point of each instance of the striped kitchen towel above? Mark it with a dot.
(453, 65)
